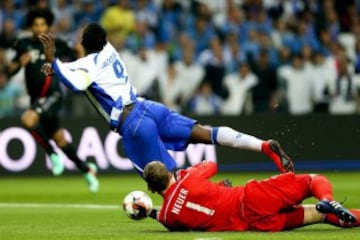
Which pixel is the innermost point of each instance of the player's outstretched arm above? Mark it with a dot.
(204, 169)
(154, 213)
(143, 211)
(75, 80)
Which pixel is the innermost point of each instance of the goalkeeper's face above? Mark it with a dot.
(157, 176)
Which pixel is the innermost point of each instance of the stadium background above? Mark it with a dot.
(316, 143)
(305, 108)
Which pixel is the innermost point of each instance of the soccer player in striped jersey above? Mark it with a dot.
(42, 118)
(148, 129)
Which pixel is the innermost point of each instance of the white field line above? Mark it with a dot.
(56, 205)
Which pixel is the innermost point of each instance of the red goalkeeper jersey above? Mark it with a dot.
(214, 207)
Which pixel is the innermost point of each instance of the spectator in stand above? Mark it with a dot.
(64, 20)
(63, 10)
(347, 13)
(63, 29)
(88, 12)
(252, 46)
(144, 68)
(297, 81)
(325, 42)
(307, 54)
(304, 36)
(190, 74)
(22, 100)
(9, 94)
(264, 92)
(202, 32)
(9, 11)
(42, 4)
(284, 57)
(170, 86)
(240, 87)
(8, 34)
(263, 23)
(281, 36)
(141, 37)
(266, 45)
(218, 9)
(213, 62)
(170, 23)
(205, 101)
(344, 90)
(118, 20)
(232, 53)
(147, 11)
(323, 75)
(235, 23)
(332, 23)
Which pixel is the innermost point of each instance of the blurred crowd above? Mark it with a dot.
(205, 57)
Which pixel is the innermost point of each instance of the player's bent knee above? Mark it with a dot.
(201, 134)
(59, 138)
(29, 119)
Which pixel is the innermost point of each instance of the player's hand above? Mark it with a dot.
(47, 69)
(48, 42)
(142, 211)
(25, 59)
(225, 182)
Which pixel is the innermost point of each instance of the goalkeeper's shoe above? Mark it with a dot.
(91, 179)
(274, 151)
(336, 208)
(57, 164)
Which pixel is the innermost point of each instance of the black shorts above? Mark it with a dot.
(49, 108)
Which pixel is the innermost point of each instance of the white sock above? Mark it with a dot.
(227, 136)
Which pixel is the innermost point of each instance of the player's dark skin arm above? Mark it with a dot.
(48, 41)
(13, 67)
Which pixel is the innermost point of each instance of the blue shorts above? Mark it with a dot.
(150, 130)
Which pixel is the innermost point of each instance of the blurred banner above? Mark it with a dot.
(315, 142)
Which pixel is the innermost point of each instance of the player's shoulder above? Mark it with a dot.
(61, 42)
(181, 174)
(23, 42)
(85, 63)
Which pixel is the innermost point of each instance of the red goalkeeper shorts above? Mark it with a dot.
(265, 200)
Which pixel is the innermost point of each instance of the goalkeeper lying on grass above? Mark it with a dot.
(192, 202)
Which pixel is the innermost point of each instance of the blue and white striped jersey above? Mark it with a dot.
(103, 78)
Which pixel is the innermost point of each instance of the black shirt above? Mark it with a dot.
(37, 84)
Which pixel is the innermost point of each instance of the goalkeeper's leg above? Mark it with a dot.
(304, 215)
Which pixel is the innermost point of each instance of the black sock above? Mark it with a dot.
(70, 152)
(41, 137)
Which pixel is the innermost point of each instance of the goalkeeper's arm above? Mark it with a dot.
(143, 212)
(153, 213)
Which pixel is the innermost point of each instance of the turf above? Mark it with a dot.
(49, 221)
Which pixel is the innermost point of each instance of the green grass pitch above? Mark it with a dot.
(36, 208)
